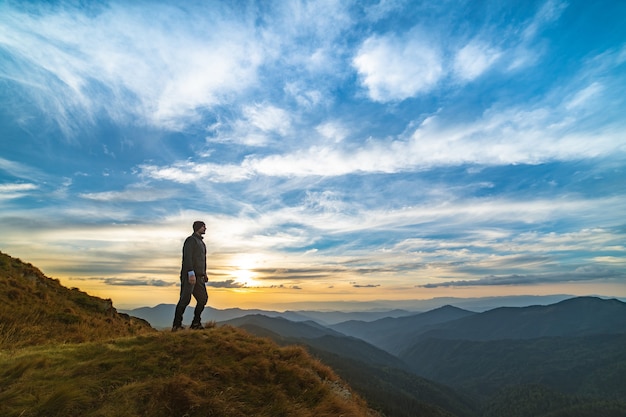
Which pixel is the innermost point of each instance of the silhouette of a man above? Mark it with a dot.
(193, 278)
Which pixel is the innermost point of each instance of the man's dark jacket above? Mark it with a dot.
(194, 257)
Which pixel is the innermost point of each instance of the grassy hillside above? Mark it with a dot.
(217, 372)
(35, 309)
(66, 353)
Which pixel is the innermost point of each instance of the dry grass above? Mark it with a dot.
(218, 372)
(35, 310)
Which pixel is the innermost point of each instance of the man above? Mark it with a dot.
(192, 278)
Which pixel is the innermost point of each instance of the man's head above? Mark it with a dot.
(199, 227)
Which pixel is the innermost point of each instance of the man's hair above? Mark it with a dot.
(197, 225)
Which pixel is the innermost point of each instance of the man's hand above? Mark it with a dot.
(192, 279)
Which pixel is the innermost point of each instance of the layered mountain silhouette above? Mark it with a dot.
(160, 316)
(394, 334)
(317, 336)
(580, 316)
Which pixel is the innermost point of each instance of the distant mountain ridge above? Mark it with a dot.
(477, 304)
(393, 334)
(364, 366)
(580, 316)
(283, 330)
(161, 315)
(573, 317)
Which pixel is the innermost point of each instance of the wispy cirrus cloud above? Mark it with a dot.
(16, 190)
(147, 64)
(259, 125)
(136, 282)
(474, 59)
(135, 193)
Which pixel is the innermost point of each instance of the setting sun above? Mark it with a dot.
(243, 270)
(244, 276)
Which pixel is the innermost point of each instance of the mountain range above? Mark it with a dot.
(161, 315)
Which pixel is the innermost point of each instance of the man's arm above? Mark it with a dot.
(188, 250)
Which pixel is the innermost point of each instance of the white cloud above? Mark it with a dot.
(188, 172)
(16, 190)
(383, 8)
(267, 118)
(159, 63)
(472, 60)
(393, 68)
(528, 47)
(333, 131)
(259, 125)
(131, 194)
(501, 136)
(10, 188)
(584, 96)
(550, 11)
(305, 97)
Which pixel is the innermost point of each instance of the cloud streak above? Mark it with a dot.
(588, 273)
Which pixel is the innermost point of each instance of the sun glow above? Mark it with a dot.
(243, 270)
(244, 276)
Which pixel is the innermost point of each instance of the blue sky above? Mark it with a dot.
(337, 150)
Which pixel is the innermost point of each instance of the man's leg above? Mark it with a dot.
(186, 289)
(201, 296)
